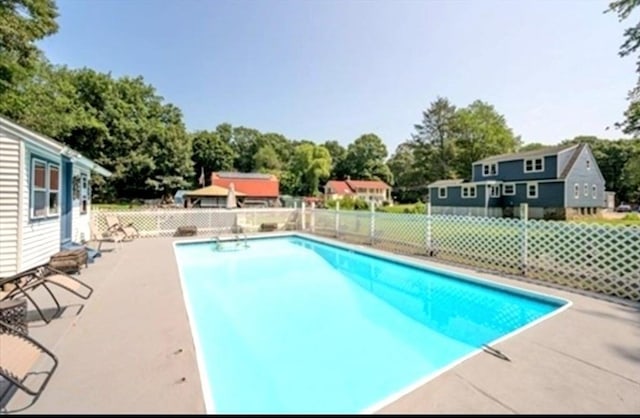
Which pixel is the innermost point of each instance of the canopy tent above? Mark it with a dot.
(211, 191)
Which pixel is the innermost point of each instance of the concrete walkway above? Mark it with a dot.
(129, 349)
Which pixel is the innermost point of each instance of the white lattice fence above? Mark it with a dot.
(599, 258)
(405, 233)
(604, 259)
(493, 243)
(165, 222)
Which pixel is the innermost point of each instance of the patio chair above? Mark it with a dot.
(44, 276)
(18, 354)
(129, 230)
(110, 235)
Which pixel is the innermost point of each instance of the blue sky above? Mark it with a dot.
(333, 70)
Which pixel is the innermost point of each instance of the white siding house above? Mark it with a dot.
(44, 197)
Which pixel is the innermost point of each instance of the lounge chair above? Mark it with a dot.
(114, 224)
(18, 354)
(110, 235)
(45, 275)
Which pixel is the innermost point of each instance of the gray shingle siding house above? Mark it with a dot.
(556, 183)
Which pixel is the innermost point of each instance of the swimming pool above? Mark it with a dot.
(300, 325)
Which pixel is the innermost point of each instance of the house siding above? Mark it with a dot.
(550, 195)
(580, 174)
(454, 197)
(40, 238)
(514, 170)
(9, 203)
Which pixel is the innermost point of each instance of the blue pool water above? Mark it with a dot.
(292, 325)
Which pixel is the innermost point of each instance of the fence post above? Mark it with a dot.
(312, 218)
(303, 223)
(524, 216)
(338, 219)
(372, 223)
(428, 242)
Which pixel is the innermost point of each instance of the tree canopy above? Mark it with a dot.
(125, 125)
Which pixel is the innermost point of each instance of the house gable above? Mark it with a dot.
(585, 184)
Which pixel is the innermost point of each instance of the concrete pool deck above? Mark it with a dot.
(128, 349)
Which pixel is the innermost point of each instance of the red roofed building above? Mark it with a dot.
(258, 189)
(370, 190)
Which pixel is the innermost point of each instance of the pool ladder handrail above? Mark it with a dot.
(246, 244)
(217, 241)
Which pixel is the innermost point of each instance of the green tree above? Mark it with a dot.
(434, 139)
(245, 144)
(631, 172)
(309, 165)
(22, 23)
(122, 124)
(410, 183)
(211, 152)
(266, 160)
(338, 159)
(479, 131)
(623, 8)
(366, 158)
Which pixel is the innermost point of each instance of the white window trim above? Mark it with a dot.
(533, 165)
(588, 164)
(594, 191)
(46, 189)
(486, 170)
(495, 191)
(469, 194)
(440, 194)
(585, 189)
(513, 189)
(576, 190)
(535, 196)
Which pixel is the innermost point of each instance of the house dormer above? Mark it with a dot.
(541, 164)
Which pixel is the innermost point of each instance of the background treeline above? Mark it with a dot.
(126, 126)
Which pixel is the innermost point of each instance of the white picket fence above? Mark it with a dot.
(592, 257)
(165, 222)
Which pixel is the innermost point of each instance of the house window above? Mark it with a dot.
(534, 165)
(45, 188)
(586, 189)
(532, 190)
(489, 169)
(588, 164)
(508, 189)
(576, 191)
(442, 192)
(54, 188)
(468, 192)
(495, 191)
(594, 191)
